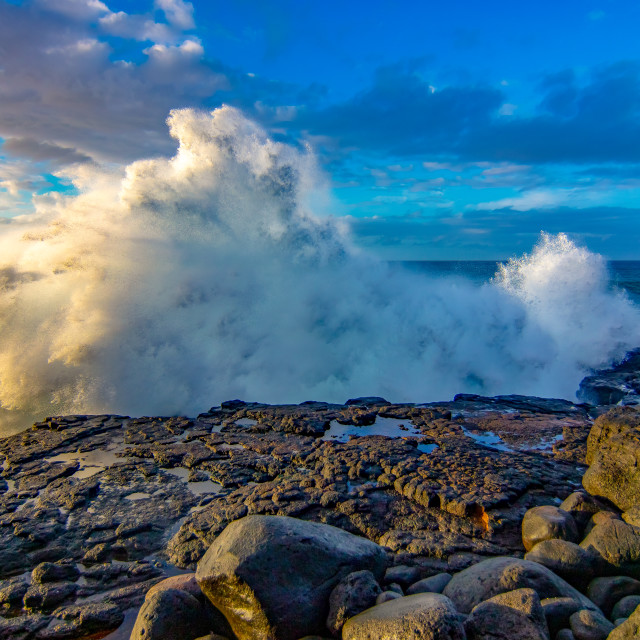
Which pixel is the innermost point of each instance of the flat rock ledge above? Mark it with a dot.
(317, 519)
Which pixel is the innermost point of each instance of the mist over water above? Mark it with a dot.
(207, 276)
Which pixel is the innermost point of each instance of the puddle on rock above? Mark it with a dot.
(91, 462)
(246, 422)
(197, 488)
(390, 427)
(427, 448)
(488, 439)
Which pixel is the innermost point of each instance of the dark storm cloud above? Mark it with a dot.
(42, 151)
(403, 114)
(577, 121)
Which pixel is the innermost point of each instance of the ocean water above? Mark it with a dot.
(622, 275)
(177, 283)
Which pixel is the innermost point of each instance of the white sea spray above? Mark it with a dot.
(208, 276)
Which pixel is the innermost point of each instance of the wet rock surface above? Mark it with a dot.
(95, 510)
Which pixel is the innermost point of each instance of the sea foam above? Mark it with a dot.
(182, 282)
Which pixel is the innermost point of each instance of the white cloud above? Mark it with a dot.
(546, 199)
(178, 13)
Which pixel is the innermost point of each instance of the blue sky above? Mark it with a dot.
(455, 131)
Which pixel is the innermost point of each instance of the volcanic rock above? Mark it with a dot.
(613, 453)
(513, 615)
(546, 523)
(424, 616)
(499, 575)
(247, 574)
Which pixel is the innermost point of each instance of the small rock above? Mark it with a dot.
(402, 574)
(49, 595)
(434, 584)
(629, 629)
(607, 591)
(514, 615)
(424, 616)
(590, 625)
(12, 591)
(557, 612)
(352, 595)
(601, 517)
(565, 634)
(385, 596)
(183, 582)
(568, 560)
(545, 523)
(54, 572)
(582, 506)
(625, 607)
(170, 614)
(394, 586)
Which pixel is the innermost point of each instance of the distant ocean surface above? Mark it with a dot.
(623, 274)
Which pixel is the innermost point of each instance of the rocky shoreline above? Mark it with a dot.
(97, 510)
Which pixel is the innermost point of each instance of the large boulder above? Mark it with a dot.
(613, 453)
(514, 615)
(491, 577)
(424, 616)
(618, 544)
(271, 576)
(546, 523)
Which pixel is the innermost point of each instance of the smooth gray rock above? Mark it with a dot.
(514, 615)
(434, 584)
(491, 577)
(568, 560)
(608, 590)
(385, 596)
(625, 607)
(170, 614)
(352, 595)
(628, 630)
(424, 616)
(557, 612)
(565, 634)
(546, 523)
(618, 544)
(272, 576)
(590, 625)
(402, 575)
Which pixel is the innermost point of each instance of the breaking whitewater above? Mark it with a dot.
(182, 282)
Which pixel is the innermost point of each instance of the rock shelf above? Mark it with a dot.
(96, 510)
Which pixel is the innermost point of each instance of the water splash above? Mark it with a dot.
(191, 280)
